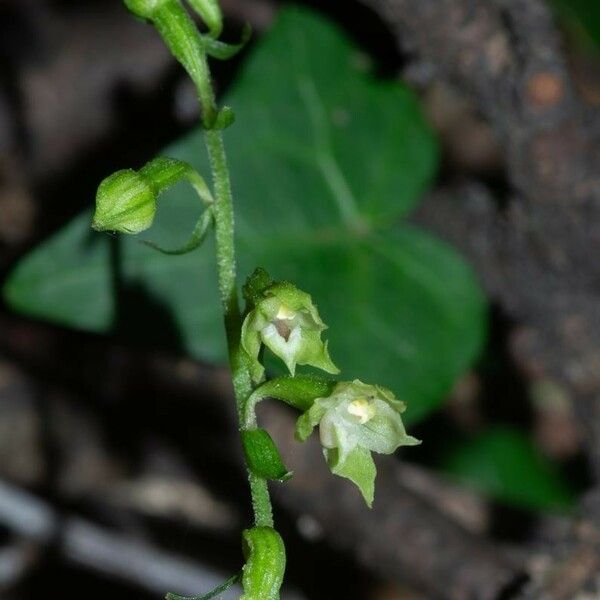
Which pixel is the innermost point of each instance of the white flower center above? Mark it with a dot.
(362, 409)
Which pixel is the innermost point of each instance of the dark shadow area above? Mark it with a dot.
(139, 318)
(75, 583)
(504, 391)
(144, 125)
(368, 30)
(16, 32)
(511, 524)
(318, 570)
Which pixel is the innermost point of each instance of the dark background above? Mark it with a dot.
(91, 427)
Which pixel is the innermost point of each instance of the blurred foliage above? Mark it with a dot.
(326, 160)
(503, 463)
(582, 16)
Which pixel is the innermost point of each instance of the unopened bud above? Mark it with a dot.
(125, 202)
(143, 8)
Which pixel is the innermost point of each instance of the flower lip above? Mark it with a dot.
(283, 321)
(283, 329)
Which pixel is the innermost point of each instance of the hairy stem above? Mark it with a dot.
(226, 266)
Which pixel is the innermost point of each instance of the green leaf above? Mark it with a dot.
(262, 456)
(584, 17)
(504, 464)
(359, 468)
(325, 159)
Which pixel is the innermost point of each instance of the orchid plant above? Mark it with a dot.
(354, 419)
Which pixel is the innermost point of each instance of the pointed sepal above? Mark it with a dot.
(357, 466)
(355, 420)
(223, 51)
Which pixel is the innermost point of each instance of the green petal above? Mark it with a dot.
(358, 467)
(314, 352)
(304, 427)
(385, 432)
(309, 420)
(210, 13)
(268, 308)
(287, 350)
(251, 342)
(390, 398)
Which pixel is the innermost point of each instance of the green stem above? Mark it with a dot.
(226, 266)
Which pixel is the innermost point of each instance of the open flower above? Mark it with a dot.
(286, 321)
(355, 420)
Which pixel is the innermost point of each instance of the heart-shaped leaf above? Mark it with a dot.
(325, 159)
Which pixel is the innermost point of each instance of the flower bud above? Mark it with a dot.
(125, 202)
(287, 322)
(355, 420)
(143, 8)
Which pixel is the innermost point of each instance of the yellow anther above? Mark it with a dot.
(285, 313)
(363, 409)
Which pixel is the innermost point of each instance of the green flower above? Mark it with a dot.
(287, 322)
(355, 420)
